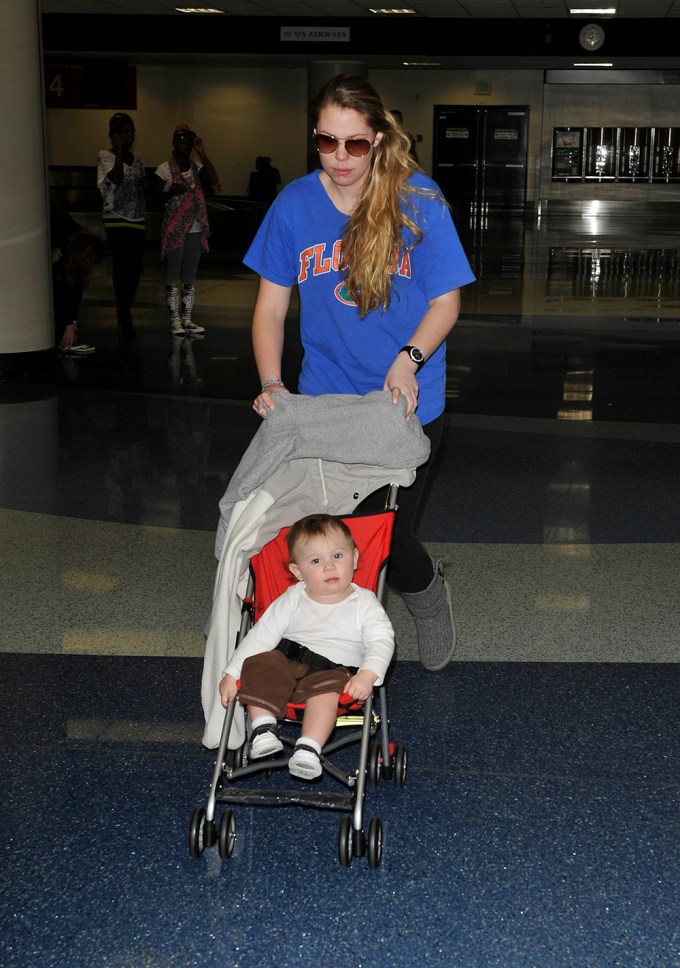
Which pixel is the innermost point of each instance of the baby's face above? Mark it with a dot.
(326, 564)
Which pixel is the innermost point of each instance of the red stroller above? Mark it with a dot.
(357, 723)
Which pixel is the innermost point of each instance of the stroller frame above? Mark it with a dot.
(378, 758)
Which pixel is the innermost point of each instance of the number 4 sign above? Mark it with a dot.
(64, 85)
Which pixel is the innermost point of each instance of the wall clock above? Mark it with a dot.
(591, 37)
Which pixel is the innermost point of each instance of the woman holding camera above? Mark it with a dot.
(120, 179)
(185, 230)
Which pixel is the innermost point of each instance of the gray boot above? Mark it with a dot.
(188, 296)
(172, 298)
(433, 614)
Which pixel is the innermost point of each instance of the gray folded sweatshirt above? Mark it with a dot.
(340, 427)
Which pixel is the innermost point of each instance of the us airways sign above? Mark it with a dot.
(316, 35)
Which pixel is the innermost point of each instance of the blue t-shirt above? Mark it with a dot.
(299, 243)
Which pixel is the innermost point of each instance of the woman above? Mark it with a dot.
(185, 230)
(370, 243)
(120, 179)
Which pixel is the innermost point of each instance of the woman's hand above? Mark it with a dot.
(69, 336)
(432, 330)
(228, 689)
(264, 400)
(401, 381)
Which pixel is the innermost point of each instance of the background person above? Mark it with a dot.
(264, 181)
(120, 179)
(371, 246)
(185, 229)
(75, 254)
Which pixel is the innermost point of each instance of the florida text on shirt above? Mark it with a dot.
(316, 260)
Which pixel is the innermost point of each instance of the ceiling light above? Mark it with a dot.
(593, 11)
(422, 63)
(592, 64)
(391, 10)
(198, 10)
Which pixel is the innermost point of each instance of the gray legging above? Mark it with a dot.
(182, 262)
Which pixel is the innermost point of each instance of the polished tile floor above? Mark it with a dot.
(539, 823)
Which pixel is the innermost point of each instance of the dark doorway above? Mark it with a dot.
(480, 164)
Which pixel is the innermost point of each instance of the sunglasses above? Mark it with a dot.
(356, 147)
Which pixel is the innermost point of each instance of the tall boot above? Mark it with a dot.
(433, 614)
(125, 324)
(188, 296)
(173, 303)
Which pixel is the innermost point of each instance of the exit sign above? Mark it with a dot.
(483, 88)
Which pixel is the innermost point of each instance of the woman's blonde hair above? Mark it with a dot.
(375, 230)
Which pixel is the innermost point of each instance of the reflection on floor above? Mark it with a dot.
(538, 825)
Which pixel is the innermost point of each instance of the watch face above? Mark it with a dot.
(416, 355)
(591, 37)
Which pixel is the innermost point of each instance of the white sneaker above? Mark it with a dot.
(176, 328)
(265, 743)
(192, 329)
(305, 763)
(79, 349)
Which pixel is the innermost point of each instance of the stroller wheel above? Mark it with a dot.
(196, 832)
(227, 837)
(345, 842)
(374, 842)
(400, 767)
(374, 764)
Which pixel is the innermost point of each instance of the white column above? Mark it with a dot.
(26, 323)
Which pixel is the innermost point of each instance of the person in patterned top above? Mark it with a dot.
(185, 230)
(120, 179)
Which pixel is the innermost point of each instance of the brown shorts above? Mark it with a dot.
(271, 680)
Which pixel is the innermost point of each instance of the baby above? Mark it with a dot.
(323, 637)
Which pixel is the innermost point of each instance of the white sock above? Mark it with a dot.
(266, 719)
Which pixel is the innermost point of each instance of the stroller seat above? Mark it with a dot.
(358, 723)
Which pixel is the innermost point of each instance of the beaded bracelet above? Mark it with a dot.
(269, 383)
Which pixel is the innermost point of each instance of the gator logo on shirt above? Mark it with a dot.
(343, 295)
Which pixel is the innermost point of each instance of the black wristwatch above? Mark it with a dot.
(415, 354)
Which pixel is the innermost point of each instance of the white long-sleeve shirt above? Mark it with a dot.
(353, 632)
